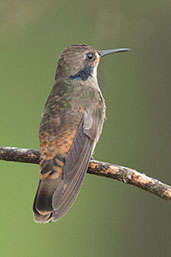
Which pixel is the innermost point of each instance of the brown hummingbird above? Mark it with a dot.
(70, 127)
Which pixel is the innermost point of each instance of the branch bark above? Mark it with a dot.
(120, 173)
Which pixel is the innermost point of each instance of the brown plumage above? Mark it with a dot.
(70, 128)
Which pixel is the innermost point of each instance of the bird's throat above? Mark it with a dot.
(83, 74)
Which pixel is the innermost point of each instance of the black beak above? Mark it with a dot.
(112, 51)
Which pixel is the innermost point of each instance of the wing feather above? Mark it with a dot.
(74, 171)
(76, 163)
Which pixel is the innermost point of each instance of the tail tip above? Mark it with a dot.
(38, 218)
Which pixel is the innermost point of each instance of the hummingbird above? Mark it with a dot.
(70, 127)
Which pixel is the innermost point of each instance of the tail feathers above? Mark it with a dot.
(42, 207)
(39, 218)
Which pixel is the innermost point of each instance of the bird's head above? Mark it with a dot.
(80, 62)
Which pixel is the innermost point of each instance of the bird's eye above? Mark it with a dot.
(90, 56)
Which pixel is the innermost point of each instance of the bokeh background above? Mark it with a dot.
(108, 218)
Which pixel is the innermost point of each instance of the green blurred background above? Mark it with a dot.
(108, 218)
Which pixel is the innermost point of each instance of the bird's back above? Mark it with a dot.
(70, 127)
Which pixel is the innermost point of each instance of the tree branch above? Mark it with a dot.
(123, 174)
